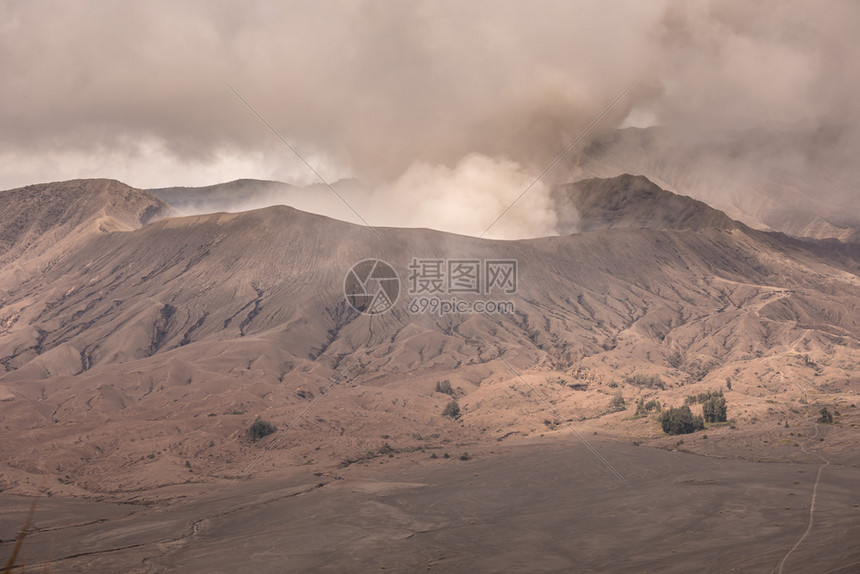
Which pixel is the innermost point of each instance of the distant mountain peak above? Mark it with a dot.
(233, 196)
(631, 202)
(33, 219)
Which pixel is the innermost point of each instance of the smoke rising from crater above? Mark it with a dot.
(413, 92)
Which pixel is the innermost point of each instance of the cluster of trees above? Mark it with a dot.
(714, 409)
(680, 420)
(702, 397)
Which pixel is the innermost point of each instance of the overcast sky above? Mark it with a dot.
(138, 91)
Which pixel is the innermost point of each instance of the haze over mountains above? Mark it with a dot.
(802, 182)
(769, 179)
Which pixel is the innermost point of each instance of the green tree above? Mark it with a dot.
(826, 417)
(260, 428)
(444, 387)
(680, 420)
(452, 409)
(714, 410)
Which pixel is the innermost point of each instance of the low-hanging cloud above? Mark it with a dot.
(414, 98)
(467, 199)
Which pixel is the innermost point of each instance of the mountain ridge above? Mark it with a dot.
(35, 217)
(227, 196)
(189, 328)
(778, 180)
(631, 201)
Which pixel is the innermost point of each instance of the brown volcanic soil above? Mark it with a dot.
(533, 506)
(136, 359)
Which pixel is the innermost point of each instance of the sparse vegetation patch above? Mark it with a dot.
(702, 397)
(644, 407)
(617, 403)
(646, 381)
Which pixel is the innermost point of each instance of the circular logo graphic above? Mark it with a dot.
(371, 286)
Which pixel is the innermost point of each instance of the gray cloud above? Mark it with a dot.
(378, 90)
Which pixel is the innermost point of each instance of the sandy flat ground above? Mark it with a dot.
(540, 506)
